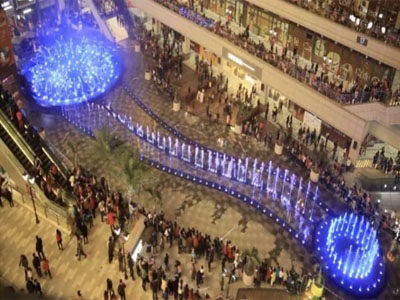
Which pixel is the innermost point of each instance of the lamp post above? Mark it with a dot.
(29, 182)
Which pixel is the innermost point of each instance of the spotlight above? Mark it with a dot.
(369, 26)
(383, 29)
(352, 18)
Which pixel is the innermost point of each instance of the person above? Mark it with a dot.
(59, 239)
(38, 288)
(23, 261)
(154, 287)
(85, 233)
(39, 247)
(79, 295)
(121, 289)
(110, 289)
(131, 266)
(46, 267)
(79, 249)
(110, 245)
(105, 295)
(30, 286)
(166, 262)
(36, 264)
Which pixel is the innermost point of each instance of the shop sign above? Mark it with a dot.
(312, 122)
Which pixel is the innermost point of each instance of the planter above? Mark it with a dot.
(248, 280)
(176, 106)
(137, 48)
(237, 129)
(278, 149)
(147, 75)
(314, 176)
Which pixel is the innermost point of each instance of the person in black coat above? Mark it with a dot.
(36, 265)
(39, 247)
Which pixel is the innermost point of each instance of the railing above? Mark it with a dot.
(373, 28)
(59, 214)
(17, 138)
(287, 64)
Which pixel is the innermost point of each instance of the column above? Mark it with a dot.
(156, 27)
(263, 93)
(186, 45)
(356, 144)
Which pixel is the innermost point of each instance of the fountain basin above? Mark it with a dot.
(348, 250)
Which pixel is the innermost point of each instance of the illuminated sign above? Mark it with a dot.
(240, 62)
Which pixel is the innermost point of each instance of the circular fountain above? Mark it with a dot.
(348, 249)
(72, 68)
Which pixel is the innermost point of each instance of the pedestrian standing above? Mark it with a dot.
(59, 239)
(131, 265)
(79, 295)
(84, 230)
(121, 289)
(79, 249)
(110, 289)
(39, 247)
(23, 261)
(38, 288)
(36, 264)
(166, 262)
(46, 267)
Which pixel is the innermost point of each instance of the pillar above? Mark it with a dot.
(186, 45)
(156, 27)
(263, 93)
(354, 151)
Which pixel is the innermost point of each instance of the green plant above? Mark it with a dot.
(75, 150)
(252, 260)
(107, 148)
(134, 171)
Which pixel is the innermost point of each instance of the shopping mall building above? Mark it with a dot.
(352, 45)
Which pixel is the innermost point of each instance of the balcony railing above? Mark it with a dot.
(374, 92)
(375, 27)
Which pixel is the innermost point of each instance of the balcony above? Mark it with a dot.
(375, 48)
(385, 115)
(302, 94)
(372, 24)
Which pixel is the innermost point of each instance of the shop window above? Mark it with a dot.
(307, 49)
(346, 72)
(320, 48)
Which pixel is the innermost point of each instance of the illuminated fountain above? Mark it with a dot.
(348, 248)
(71, 68)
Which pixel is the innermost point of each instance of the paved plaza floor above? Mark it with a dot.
(190, 205)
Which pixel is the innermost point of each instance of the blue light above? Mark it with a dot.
(349, 250)
(74, 69)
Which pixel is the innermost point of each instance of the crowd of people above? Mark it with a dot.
(47, 176)
(311, 73)
(386, 163)
(371, 23)
(167, 280)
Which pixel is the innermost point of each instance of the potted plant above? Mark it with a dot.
(320, 159)
(176, 103)
(278, 149)
(251, 260)
(314, 174)
(239, 117)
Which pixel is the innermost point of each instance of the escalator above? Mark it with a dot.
(28, 146)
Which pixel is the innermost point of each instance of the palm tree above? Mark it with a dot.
(107, 149)
(75, 148)
(155, 194)
(134, 171)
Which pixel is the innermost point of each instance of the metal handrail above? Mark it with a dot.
(17, 138)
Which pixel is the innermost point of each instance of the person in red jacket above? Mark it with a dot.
(46, 267)
(59, 239)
